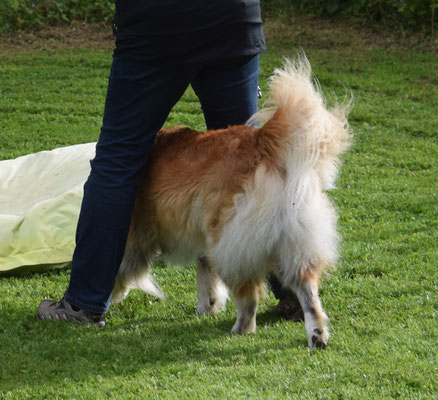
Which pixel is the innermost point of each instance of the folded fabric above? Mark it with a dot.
(40, 198)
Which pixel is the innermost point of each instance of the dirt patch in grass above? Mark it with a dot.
(288, 29)
(88, 36)
(316, 32)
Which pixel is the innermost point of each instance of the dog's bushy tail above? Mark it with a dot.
(299, 124)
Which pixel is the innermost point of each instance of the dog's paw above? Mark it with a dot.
(203, 308)
(119, 295)
(117, 299)
(213, 306)
(318, 338)
(244, 329)
(218, 305)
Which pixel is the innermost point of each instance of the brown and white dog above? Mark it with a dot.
(245, 202)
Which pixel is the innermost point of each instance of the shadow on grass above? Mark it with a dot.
(33, 351)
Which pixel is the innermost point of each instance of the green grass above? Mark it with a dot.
(382, 298)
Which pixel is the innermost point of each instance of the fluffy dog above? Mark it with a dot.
(244, 202)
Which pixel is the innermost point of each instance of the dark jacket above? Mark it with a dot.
(188, 30)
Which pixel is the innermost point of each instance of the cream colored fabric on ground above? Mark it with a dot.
(40, 198)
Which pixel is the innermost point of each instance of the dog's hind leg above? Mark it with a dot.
(134, 271)
(247, 300)
(315, 319)
(212, 293)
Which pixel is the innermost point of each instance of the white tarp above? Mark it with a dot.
(40, 198)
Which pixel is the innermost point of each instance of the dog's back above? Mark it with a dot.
(197, 182)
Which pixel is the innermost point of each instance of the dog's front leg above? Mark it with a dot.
(247, 301)
(212, 293)
(315, 319)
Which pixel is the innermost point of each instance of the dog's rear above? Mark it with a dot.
(249, 201)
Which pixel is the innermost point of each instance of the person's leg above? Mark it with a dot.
(288, 307)
(139, 98)
(228, 92)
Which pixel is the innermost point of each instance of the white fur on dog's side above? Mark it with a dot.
(294, 218)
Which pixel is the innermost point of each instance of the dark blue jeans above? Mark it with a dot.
(139, 99)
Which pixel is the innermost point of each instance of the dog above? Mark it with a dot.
(244, 202)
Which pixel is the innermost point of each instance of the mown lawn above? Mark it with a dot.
(382, 299)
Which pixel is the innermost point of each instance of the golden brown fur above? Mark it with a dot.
(213, 164)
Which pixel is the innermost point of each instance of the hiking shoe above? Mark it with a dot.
(64, 311)
(290, 309)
